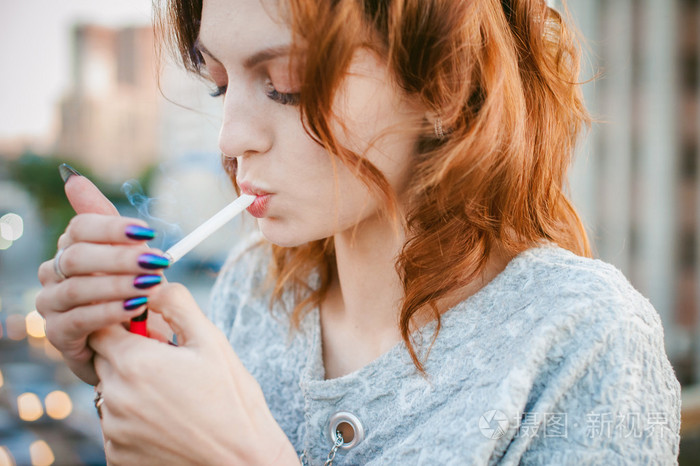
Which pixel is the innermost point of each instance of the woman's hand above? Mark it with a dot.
(101, 263)
(191, 404)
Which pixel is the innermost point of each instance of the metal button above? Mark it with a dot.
(349, 425)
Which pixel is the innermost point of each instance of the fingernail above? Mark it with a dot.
(147, 281)
(153, 261)
(139, 232)
(133, 303)
(67, 171)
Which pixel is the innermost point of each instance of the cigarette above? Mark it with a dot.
(139, 324)
(202, 232)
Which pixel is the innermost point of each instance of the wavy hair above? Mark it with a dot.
(503, 77)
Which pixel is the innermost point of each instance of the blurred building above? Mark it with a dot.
(129, 111)
(635, 180)
(109, 119)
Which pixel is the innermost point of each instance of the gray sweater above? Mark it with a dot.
(558, 360)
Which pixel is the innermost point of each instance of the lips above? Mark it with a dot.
(262, 199)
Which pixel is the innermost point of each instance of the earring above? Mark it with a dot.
(439, 133)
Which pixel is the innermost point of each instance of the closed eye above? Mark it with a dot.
(283, 98)
(219, 91)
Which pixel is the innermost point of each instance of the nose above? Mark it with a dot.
(244, 130)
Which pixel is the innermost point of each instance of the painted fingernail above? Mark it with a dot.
(139, 232)
(133, 303)
(147, 281)
(153, 261)
(67, 171)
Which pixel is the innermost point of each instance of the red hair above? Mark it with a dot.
(501, 75)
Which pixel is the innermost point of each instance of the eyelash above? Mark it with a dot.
(218, 92)
(271, 92)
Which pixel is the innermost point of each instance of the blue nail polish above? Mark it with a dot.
(138, 232)
(147, 281)
(153, 261)
(133, 303)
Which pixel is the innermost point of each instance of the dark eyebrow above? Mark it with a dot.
(261, 56)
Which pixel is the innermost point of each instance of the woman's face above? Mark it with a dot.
(312, 195)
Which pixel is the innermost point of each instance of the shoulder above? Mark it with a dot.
(578, 307)
(549, 299)
(603, 358)
(568, 274)
(552, 314)
(556, 333)
(558, 284)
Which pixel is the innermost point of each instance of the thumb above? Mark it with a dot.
(85, 198)
(179, 309)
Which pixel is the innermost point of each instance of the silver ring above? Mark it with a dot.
(99, 400)
(57, 264)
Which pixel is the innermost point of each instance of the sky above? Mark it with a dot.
(35, 46)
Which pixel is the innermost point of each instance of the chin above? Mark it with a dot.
(282, 234)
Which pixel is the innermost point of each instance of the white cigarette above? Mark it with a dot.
(203, 231)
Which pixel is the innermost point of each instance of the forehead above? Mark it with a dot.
(233, 29)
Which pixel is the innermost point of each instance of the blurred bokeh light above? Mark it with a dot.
(41, 453)
(11, 227)
(29, 407)
(6, 458)
(35, 325)
(58, 405)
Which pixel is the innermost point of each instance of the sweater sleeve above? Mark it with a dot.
(623, 405)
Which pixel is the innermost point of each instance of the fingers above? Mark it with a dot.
(67, 331)
(179, 309)
(109, 340)
(47, 274)
(124, 352)
(86, 198)
(89, 258)
(94, 228)
(80, 291)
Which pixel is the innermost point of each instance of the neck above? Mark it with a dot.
(359, 316)
(366, 285)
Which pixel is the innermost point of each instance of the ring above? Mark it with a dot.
(57, 264)
(99, 399)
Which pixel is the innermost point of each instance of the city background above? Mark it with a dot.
(82, 84)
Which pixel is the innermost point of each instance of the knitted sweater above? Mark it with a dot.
(557, 360)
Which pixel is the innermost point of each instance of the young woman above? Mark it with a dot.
(422, 290)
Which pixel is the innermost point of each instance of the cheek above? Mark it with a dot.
(348, 205)
(335, 197)
(324, 205)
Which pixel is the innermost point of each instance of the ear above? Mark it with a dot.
(431, 116)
